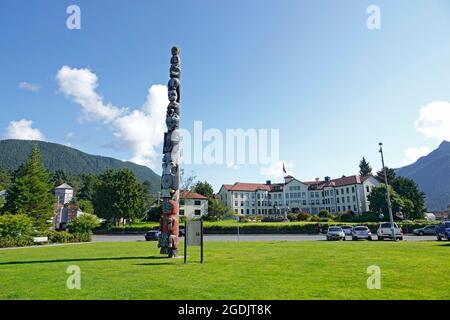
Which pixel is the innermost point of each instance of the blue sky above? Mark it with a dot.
(313, 69)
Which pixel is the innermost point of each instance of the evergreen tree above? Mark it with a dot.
(364, 168)
(390, 175)
(31, 193)
(59, 177)
(408, 189)
(5, 179)
(204, 188)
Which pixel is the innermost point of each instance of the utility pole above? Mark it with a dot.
(388, 198)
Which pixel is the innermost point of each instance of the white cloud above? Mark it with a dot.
(412, 154)
(140, 131)
(80, 85)
(29, 86)
(434, 120)
(23, 130)
(232, 165)
(275, 170)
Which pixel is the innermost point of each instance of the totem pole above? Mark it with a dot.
(170, 179)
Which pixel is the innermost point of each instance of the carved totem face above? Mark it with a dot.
(172, 95)
(172, 122)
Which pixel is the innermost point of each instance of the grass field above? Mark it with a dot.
(250, 270)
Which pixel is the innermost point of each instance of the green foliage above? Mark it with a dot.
(55, 157)
(413, 198)
(15, 225)
(204, 188)
(148, 197)
(9, 242)
(364, 168)
(87, 187)
(118, 196)
(5, 179)
(31, 193)
(217, 211)
(391, 175)
(324, 214)
(378, 201)
(83, 224)
(303, 216)
(59, 177)
(273, 218)
(154, 214)
(85, 206)
(59, 236)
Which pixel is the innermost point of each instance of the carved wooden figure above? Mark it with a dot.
(170, 179)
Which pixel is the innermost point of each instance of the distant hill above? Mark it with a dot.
(58, 157)
(432, 174)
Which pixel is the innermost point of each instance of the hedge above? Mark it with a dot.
(265, 228)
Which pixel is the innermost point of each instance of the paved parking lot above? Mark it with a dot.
(259, 237)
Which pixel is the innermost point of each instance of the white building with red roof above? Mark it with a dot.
(335, 195)
(193, 205)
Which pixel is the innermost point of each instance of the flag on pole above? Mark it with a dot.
(284, 168)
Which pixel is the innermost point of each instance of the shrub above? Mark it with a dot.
(303, 216)
(82, 237)
(85, 223)
(22, 241)
(293, 216)
(273, 218)
(59, 236)
(15, 225)
(314, 218)
(324, 214)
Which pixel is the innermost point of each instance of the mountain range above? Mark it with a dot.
(432, 174)
(13, 153)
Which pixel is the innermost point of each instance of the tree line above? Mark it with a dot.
(116, 195)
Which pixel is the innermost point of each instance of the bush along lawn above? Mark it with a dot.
(17, 231)
(230, 226)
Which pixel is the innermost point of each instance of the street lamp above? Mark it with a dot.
(388, 198)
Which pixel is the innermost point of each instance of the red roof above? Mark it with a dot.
(192, 195)
(243, 186)
(344, 181)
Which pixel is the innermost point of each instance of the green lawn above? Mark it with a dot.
(258, 270)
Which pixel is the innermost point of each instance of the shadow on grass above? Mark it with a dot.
(444, 244)
(83, 259)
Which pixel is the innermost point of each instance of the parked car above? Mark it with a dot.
(152, 235)
(443, 231)
(335, 233)
(361, 232)
(347, 230)
(431, 229)
(384, 231)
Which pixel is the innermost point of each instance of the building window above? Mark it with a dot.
(235, 203)
(353, 189)
(367, 189)
(337, 192)
(348, 190)
(197, 212)
(181, 202)
(197, 202)
(181, 212)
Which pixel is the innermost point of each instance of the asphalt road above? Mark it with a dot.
(259, 237)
